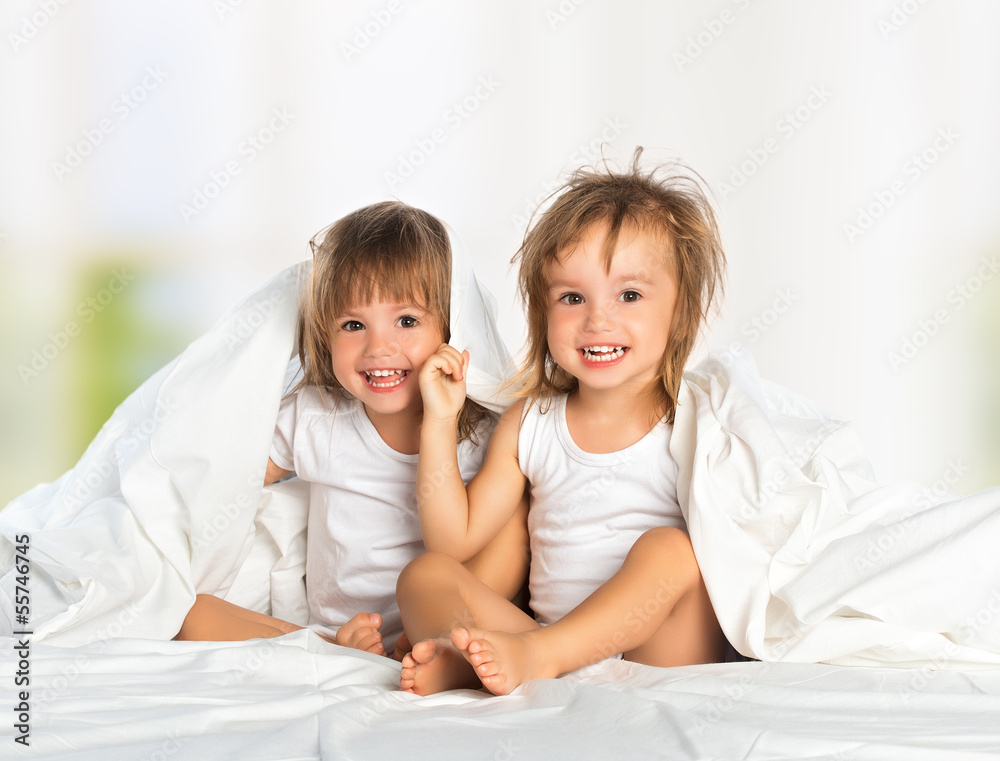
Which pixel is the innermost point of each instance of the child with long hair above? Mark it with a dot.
(617, 275)
(377, 305)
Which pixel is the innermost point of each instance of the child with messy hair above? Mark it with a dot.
(377, 305)
(617, 276)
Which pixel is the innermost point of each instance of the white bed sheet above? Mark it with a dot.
(298, 697)
(781, 507)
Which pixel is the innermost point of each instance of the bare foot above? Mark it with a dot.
(402, 647)
(434, 665)
(503, 661)
(362, 633)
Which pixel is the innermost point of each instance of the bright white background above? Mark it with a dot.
(815, 110)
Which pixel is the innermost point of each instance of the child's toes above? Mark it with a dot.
(488, 668)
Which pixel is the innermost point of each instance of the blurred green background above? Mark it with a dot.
(189, 96)
(116, 324)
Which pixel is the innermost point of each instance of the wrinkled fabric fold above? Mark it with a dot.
(806, 556)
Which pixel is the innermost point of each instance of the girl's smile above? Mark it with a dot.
(383, 381)
(603, 356)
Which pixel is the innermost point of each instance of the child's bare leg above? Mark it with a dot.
(436, 594)
(213, 619)
(655, 609)
(503, 563)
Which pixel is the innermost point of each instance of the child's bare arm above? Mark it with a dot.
(273, 472)
(456, 520)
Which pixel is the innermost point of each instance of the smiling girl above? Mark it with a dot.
(376, 307)
(617, 276)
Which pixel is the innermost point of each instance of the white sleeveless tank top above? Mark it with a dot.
(587, 510)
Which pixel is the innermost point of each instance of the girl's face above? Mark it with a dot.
(377, 350)
(610, 329)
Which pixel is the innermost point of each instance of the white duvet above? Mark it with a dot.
(806, 558)
(298, 697)
(808, 561)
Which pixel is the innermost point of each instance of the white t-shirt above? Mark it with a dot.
(363, 523)
(587, 510)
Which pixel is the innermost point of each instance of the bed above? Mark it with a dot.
(298, 697)
(873, 611)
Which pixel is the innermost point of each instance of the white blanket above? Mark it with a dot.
(805, 557)
(298, 697)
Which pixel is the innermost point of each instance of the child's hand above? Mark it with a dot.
(442, 383)
(362, 633)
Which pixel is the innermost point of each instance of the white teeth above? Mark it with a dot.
(372, 374)
(603, 353)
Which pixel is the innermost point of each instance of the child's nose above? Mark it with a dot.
(380, 344)
(599, 317)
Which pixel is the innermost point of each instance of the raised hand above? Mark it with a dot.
(442, 383)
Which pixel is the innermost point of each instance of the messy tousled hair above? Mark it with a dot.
(386, 251)
(669, 203)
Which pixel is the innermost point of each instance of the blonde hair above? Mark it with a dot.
(386, 251)
(667, 202)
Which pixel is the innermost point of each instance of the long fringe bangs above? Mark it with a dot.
(387, 251)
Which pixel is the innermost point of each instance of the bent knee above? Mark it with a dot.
(430, 565)
(665, 538)
(672, 545)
